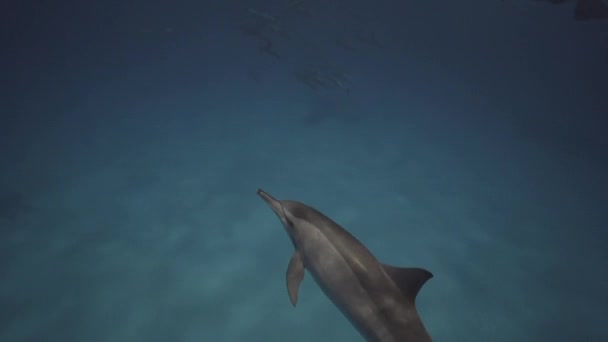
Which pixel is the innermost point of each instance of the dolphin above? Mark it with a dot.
(378, 299)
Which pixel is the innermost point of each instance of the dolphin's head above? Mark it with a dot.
(286, 211)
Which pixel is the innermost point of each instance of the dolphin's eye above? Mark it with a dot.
(288, 221)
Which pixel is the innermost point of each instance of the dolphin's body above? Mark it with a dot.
(378, 299)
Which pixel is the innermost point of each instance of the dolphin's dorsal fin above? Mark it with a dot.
(295, 274)
(408, 279)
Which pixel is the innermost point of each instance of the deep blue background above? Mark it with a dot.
(471, 141)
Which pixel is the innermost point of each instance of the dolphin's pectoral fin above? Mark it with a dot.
(295, 274)
(409, 280)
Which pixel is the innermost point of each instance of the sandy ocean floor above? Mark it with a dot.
(152, 231)
(134, 135)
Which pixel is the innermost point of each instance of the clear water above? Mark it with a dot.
(471, 142)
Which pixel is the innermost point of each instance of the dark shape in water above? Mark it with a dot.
(267, 48)
(590, 10)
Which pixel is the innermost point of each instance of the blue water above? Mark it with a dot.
(468, 138)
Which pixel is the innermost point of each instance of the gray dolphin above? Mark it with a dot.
(378, 299)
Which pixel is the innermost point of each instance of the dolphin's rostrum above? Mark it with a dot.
(378, 299)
